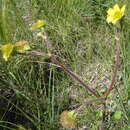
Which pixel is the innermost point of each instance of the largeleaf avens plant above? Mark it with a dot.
(68, 117)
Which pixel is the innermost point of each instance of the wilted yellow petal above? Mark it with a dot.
(38, 24)
(72, 114)
(22, 46)
(68, 119)
(7, 51)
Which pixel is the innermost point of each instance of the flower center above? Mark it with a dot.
(117, 15)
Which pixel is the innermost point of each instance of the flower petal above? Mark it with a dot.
(123, 9)
(110, 11)
(68, 119)
(22, 46)
(109, 19)
(115, 13)
(7, 50)
(38, 24)
(114, 21)
(116, 7)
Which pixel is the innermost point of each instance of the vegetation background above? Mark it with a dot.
(34, 92)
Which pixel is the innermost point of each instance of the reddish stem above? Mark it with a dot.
(65, 69)
(115, 69)
(90, 102)
(75, 76)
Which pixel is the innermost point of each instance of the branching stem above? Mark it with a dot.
(65, 69)
(76, 77)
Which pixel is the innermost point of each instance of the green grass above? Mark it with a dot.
(33, 92)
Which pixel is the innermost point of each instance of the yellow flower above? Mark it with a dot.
(38, 24)
(68, 119)
(7, 51)
(22, 46)
(114, 14)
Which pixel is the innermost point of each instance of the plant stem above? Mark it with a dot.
(75, 76)
(79, 109)
(65, 69)
(115, 69)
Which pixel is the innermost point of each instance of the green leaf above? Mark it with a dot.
(117, 115)
(99, 114)
(72, 114)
